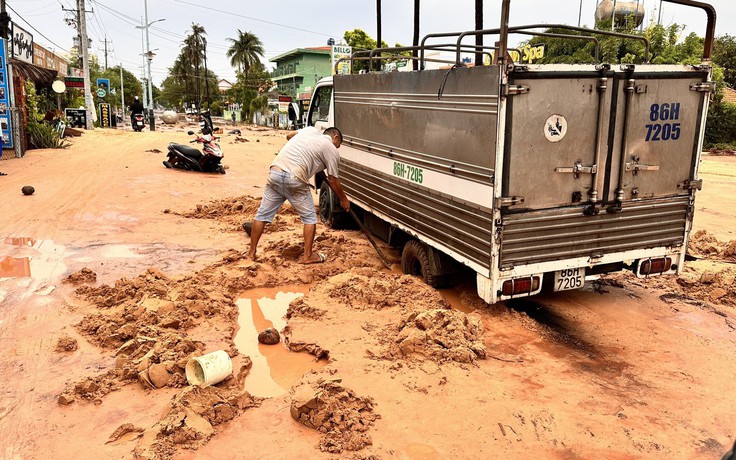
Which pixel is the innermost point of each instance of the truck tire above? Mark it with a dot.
(335, 219)
(415, 261)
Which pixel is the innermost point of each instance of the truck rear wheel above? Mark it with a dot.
(415, 260)
(336, 219)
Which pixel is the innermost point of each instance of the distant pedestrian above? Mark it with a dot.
(232, 116)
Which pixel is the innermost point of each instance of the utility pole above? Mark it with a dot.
(106, 41)
(148, 50)
(580, 13)
(83, 43)
(122, 91)
(143, 69)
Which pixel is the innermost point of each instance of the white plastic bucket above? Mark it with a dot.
(209, 369)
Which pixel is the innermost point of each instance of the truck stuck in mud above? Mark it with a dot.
(535, 176)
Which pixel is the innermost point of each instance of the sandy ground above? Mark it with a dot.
(117, 271)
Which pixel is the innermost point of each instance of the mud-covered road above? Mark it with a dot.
(117, 271)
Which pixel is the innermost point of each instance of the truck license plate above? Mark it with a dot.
(571, 278)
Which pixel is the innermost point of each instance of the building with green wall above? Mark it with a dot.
(298, 71)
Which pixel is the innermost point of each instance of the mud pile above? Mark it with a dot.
(364, 289)
(191, 421)
(715, 286)
(335, 411)
(440, 335)
(704, 245)
(145, 320)
(84, 275)
(709, 280)
(66, 344)
(234, 211)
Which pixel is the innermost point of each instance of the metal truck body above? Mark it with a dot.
(533, 176)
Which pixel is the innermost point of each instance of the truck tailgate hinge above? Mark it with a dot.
(513, 90)
(691, 184)
(509, 201)
(703, 86)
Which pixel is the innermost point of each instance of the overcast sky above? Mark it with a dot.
(287, 24)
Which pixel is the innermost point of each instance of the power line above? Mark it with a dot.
(230, 13)
(36, 30)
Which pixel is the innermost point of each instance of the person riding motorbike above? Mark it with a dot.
(135, 108)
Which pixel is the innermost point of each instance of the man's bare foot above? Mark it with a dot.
(316, 258)
(250, 255)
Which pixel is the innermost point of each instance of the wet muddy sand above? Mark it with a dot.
(117, 271)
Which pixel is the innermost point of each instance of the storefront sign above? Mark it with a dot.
(341, 52)
(76, 118)
(105, 116)
(74, 82)
(5, 120)
(21, 46)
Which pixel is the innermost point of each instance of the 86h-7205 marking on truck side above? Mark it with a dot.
(408, 172)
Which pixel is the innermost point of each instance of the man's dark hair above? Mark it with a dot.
(333, 131)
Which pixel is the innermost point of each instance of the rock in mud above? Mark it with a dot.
(269, 337)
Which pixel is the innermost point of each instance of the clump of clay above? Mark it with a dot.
(440, 335)
(90, 389)
(269, 336)
(363, 290)
(300, 308)
(66, 344)
(190, 422)
(335, 411)
(84, 275)
(704, 245)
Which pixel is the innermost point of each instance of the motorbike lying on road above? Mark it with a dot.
(207, 160)
(138, 123)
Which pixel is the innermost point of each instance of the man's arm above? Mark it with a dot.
(337, 188)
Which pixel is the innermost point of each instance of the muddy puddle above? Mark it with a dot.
(30, 265)
(275, 368)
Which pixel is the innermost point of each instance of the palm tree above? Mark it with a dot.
(245, 51)
(194, 53)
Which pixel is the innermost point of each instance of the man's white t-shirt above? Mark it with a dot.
(307, 153)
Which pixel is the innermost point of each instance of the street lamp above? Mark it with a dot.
(149, 55)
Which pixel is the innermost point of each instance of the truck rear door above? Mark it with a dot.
(551, 137)
(605, 161)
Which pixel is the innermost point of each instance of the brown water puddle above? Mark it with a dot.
(20, 241)
(15, 267)
(275, 368)
(45, 263)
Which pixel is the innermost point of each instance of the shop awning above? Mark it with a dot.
(40, 76)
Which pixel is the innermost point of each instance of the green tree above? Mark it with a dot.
(359, 40)
(245, 91)
(724, 55)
